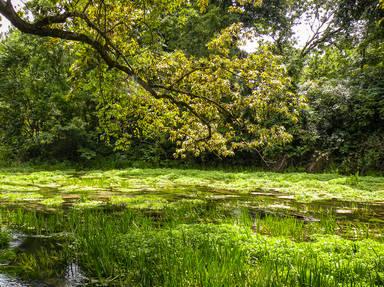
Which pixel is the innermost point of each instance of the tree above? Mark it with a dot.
(40, 115)
(220, 102)
(344, 87)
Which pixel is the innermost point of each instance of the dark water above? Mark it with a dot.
(73, 277)
(71, 274)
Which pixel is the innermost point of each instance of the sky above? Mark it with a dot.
(4, 22)
(302, 31)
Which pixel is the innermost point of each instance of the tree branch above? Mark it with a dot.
(56, 19)
(40, 28)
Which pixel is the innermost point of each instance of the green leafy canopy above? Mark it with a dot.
(219, 102)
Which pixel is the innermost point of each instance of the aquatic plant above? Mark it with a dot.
(155, 227)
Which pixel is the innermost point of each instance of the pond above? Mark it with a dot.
(96, 235)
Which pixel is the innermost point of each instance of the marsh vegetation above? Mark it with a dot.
(89, 89)
(170, 227)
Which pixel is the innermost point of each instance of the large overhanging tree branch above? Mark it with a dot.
(225, 102)
(39, 28)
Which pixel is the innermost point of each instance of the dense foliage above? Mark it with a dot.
(168, 79)
(40, 116)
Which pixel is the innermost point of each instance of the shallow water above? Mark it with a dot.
(259, 203)
(6, 281)
(34, 244)
(265, 199)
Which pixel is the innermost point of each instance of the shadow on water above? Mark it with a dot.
(73, 278)
(40, 249)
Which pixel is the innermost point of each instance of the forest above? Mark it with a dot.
(191, 143)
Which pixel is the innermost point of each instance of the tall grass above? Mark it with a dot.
(199, 244)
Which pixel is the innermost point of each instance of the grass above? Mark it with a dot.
(4, 239)
(198, 246)
(171, 227)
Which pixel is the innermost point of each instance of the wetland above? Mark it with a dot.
(173, 227)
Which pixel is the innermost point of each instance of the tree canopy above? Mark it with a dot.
(219, 102)
(173, 74)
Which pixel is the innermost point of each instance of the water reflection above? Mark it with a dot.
(72, 276)
(6, 281)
